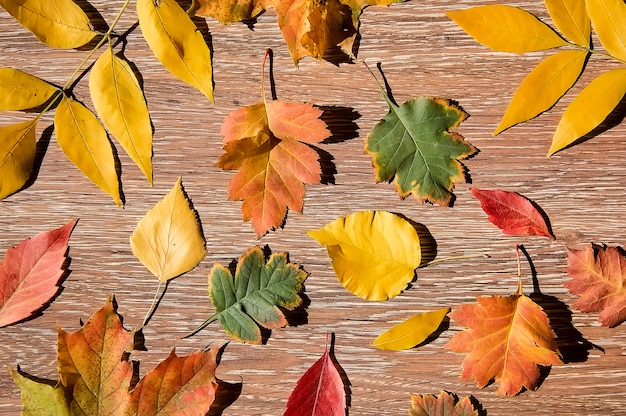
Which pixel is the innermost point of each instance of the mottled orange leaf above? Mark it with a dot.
(445, 404)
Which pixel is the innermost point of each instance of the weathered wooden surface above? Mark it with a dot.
(422, 53)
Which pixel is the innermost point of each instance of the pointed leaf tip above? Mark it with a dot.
(411, 332)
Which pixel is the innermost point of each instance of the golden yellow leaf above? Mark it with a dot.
(21, 91)
(168, 240)
(543, 87)
(85, 143)
(374, 253)
(608, 18)
(411, 332)
(590, 108)
(177, 43)
(18, 148)
(506, 28)
(58, 23)
(570, 17)
(119, 101)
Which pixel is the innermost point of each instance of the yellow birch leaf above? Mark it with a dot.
(85, 143)
(411, 332)
(543, 87)
(57, 23)
(21, 91)
(177, 43)
(18, 148)
(119, 101)
(571, 18)
(589, 109)
(374, 253)
(506, 28)
(608, 18)
(168, 240)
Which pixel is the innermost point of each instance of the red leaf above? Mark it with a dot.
(319, 392)
(30, 273)
(512, 213)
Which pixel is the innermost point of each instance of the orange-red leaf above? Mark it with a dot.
(30, 273)
(445, 404)
(599, 278)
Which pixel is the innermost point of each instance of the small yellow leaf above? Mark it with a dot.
(21, 91)
(374, 253)
(85, 143)
(18, 148)
(411, 332)
(506, 28)
(168, 240)
(589, 109)
(543, 87)
(570, 17)
(177, 43)
(58, 23)
(119, 101)
(608, 18)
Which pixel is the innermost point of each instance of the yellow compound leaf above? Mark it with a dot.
(506, 29)
(570, 17)
(58, 23)
(374, 253)
(21, 91)
(608, 18)
(85, 143)
(411, 332)
(168, 240)
(589, 109)
(177, 43)
(119, 101)
(543, 87)
(18, 148)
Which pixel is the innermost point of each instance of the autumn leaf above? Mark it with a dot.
(411, 332)
(256, 294)
(571, 18)
(374, 253)
(40, 398)
(599, 279)
(608, 18)
(30, 273)
(512, 213)
(18, 148)
(444, 404)
(22, 91)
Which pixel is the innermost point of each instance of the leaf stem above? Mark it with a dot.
(519, 272)
(597, 52)
(152, 306)
(466, 256)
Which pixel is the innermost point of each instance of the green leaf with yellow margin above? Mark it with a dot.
(177, 43)
(40, 398)
(411, 332)
(18, 148)
(608, 18)
(374, 253)
(571, 18)
(21, 91)
(119, 101)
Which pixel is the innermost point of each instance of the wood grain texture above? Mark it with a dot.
(422, 53)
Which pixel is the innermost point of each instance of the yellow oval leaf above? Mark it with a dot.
(506, 28)
(177, 43)
(411, 332)
(590, 108)
(168, 240)
(119, 101)
(57, 23)
(374, 253)
(85, 143)
(608, 18)
(570, 17)
(543, 87)
(18, 148)
(21, 91)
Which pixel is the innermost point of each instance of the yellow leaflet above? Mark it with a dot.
(570, 17)
(18, 148)
(506, 29)
(590, 108)
(57, 23)
(21, 91)
(168, 240)
(119, 101)
(543, 87)
(411, 332)
(608, 18)
(85, 143)
(177, 43)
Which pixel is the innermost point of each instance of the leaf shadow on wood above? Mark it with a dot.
(97, 22)
(40, 152)
(341, 371)
(428, 244)
(543, 214)
(443, 326)
(227, 393)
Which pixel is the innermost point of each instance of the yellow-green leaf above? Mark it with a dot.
(589, 109)
(18, 148)
(119, 101)
(39, 398)
(543, 87)
(168, 240)
(608, 18)
(411, 332)
(570, 17)
(85, 143)
(21, 91)
(57, 23)
(374, 253)
(506, 28)
(177, 43)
